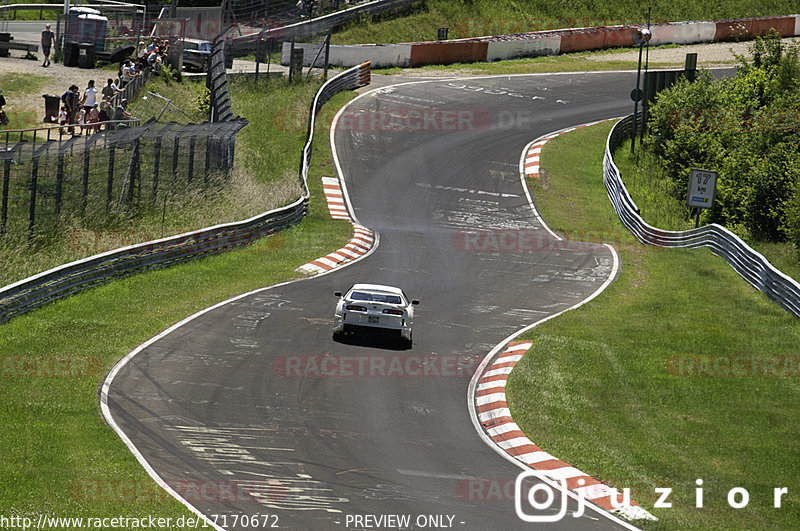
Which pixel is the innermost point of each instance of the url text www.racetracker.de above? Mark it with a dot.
(44, 521)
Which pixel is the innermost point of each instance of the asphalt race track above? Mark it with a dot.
(252, 409)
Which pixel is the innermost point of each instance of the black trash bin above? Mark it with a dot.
(51, 108)
(71, 50)
(86, 55)
(4, 37)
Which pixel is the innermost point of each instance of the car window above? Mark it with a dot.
(375, 297)
(205, 47)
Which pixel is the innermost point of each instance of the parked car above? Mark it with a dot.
(376, 308)
(196, 53)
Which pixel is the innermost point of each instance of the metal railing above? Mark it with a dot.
(49, 286)
(751, 265)
(316, 26)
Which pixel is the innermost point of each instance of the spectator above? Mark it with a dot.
(62, 119)
(104, 107)
(111, 88)
(301, 8)
(70, 99)
(120, 114)
(48, 38)
(127, 73)
(93, 119)
(154, 61)
(89, 96)
(82, 119)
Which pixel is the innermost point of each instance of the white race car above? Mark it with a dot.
(367, 307)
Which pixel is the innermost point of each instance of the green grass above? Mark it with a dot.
(471, 18)
(575, 62)
(599, 388)
(56, 448)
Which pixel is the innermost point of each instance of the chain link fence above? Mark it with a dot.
(49, 176)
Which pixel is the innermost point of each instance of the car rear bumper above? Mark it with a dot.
(360, 323)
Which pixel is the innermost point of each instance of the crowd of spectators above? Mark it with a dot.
(87, 111)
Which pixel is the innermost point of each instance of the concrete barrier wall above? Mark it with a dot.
(683, 33)
(447, 52)
(517, 49)
(540, 43)
(346, 56)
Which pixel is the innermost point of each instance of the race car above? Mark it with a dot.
(366, 308)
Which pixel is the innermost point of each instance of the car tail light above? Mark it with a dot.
(355, 308)
(393, 312)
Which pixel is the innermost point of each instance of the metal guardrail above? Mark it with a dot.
(59, 282)
(751, 265)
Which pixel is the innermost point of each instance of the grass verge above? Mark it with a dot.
(59, 457)
(573, 62)
(637, 388)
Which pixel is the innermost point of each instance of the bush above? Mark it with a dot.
(748, 129)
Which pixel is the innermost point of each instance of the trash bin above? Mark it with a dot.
(86, 55)
(71, 50)
(51, 108)
(4, 37)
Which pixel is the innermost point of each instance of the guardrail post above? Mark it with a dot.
(6, 179)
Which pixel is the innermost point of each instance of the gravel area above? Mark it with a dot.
(59, 78)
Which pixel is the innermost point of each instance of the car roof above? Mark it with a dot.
(377, 287)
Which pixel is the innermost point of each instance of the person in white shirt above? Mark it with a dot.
(89, 97)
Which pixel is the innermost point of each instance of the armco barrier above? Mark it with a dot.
(751, 265)
(35, 291)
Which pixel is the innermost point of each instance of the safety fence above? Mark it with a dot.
(751, 265)
(68, 279)
(217, 83)
(54, 177)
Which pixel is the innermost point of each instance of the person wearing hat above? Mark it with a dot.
(48, 38)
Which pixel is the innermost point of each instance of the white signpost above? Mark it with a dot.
(702, 185)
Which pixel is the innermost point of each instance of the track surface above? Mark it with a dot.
(210, 405)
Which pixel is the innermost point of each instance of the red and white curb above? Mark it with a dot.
(495, 418)
(534, 150)
(359, 245)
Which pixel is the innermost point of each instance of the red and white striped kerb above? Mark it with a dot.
(361, 242)
(495, 418)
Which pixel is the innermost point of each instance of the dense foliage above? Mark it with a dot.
(746, 127)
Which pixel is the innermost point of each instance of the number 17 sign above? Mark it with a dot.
(702, 184)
